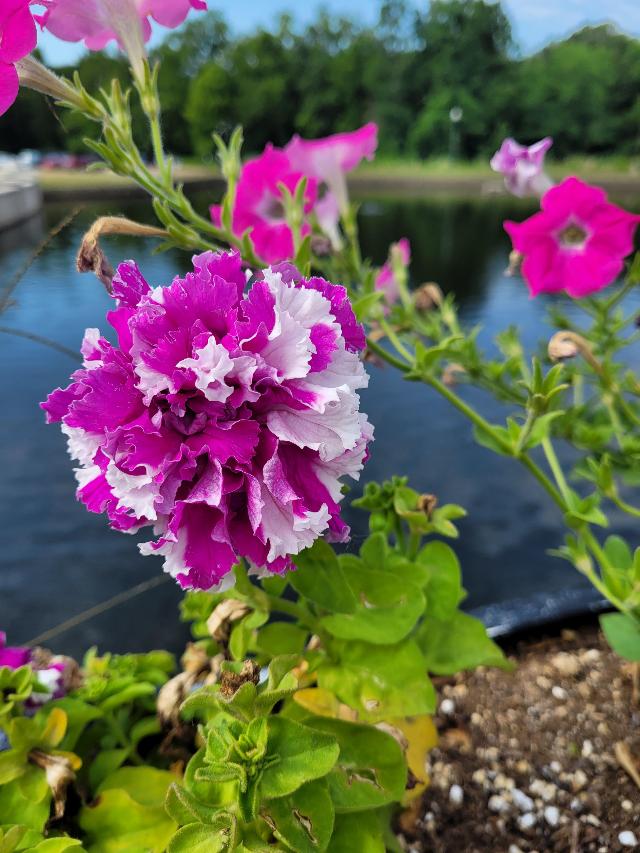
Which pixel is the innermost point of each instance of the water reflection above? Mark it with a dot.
(57, 559)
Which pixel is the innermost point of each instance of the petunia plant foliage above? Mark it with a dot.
(224, 419)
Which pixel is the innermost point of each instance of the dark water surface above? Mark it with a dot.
(57, 560)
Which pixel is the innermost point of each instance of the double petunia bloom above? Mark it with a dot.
(223, 419)
(52, 673)
(18, 37)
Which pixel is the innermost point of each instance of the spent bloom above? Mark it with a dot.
(393, 274)
(97, 22)
(259, 204)
(576, 243)
(223, 419)
(18, 37)
(51, 672)
(523, 166)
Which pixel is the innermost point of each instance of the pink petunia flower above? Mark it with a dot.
(18, 37)
(576, 243)
(329, 159)
(259, 204)
(97, 22)
(387, 278)
(523, 166)
(224, 420)
(13, 656)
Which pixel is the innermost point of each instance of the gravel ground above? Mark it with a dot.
(534, 760)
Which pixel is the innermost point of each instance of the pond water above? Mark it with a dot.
(57, 560)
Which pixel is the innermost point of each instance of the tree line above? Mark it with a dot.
(407, 73)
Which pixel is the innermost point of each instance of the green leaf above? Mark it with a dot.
(185, 808)
(128, 695)
(299, 754)
(461, 642)
(321, 579)
(359, 832)
(444, 589)
(117, 823)
(363, 306)
(303, 821)
(198, 838)
(13, 763)
(623, 635)
(79, 715)
(57, 845)
(281, 638)
(492, 440)
(146, 785)
(380, 682)
(106, 762)
(386, 610)
(241, 639)
(14, 805)
(371, 770)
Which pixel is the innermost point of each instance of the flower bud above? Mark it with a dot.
(515, 259)
(428, 296)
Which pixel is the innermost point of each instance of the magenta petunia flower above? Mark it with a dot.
(577, 242)
(51, 675)
(259, 204)
(386, 279)
(523, 166)
(97, 22)
(224, 420)
(18, 37)
(12, 656)
(329, 159)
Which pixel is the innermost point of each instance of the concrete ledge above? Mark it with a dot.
(20, 199)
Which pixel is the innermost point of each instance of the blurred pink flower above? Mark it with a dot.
(329, 159)
(97, 22)
(387, 279)
(259, 204)
(523, 167)
(576, 243)
(18, 37)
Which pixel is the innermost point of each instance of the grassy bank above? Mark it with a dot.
(399, 176)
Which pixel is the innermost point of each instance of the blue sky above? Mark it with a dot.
(535, 22)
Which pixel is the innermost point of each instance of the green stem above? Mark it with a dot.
(556, 470)
(386, 355)
(625, 507)
(121, 736)
(395, 340)
(292, 608)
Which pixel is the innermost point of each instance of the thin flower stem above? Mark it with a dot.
(556, 470)
(386, 355)
(486, 427)
(395, 340)
(625, 507)
(292, 608)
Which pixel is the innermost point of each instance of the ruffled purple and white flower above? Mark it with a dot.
(223, 419)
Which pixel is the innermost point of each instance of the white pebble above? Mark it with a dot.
(627, 805)
(555, 766)
(456, 795)
(558, 692)
(447, 707)
(587, 749)
(552, 815)
(515, 849)
(526, 821)
(498, 804)
(627, 838)
(522, 801)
